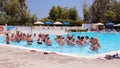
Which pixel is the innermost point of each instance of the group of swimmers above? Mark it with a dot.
(81, 41)
(70, 40)
(19, 36)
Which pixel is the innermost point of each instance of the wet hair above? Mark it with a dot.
(47, 34)
(87, 37)
(62, 37)
(40, 35)
(59, 36)
(23, 34)
(34, 34)
(48, 37)
(78, 37)
(29, 35)
(7, 34)
(91, 38)
(82, 37)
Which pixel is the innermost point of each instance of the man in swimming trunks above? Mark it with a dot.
(7, 39)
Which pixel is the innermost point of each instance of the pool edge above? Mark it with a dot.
(65, 54)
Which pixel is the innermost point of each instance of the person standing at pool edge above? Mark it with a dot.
(7, 39)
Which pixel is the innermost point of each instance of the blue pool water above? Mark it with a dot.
(109, 42)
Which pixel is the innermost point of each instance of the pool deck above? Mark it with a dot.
(20, 57)
(66, 54)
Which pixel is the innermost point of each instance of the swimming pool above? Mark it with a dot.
(109, 42)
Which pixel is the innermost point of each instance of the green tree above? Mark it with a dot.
(115, 7)
(4, 18)
(98, 11)
(45, 19)
(12, 7)
(65, 14)
(86, 12)
(73, 15)
(59, 11)
(15, 12)
(23, 4)
(53, 14)
(110, 16)
(2, 5)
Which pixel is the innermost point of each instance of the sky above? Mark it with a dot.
(42, 7)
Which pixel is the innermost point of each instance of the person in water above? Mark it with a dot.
(35, 37)
(29, 40)
(7, 39)
(61, 42)
(95, 44)
(78, 41)
(70, 41)
(82, 40)
(39, 41)
(87, 40)
(13, 38)
(48, 41)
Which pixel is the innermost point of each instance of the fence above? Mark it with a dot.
(42, 29)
